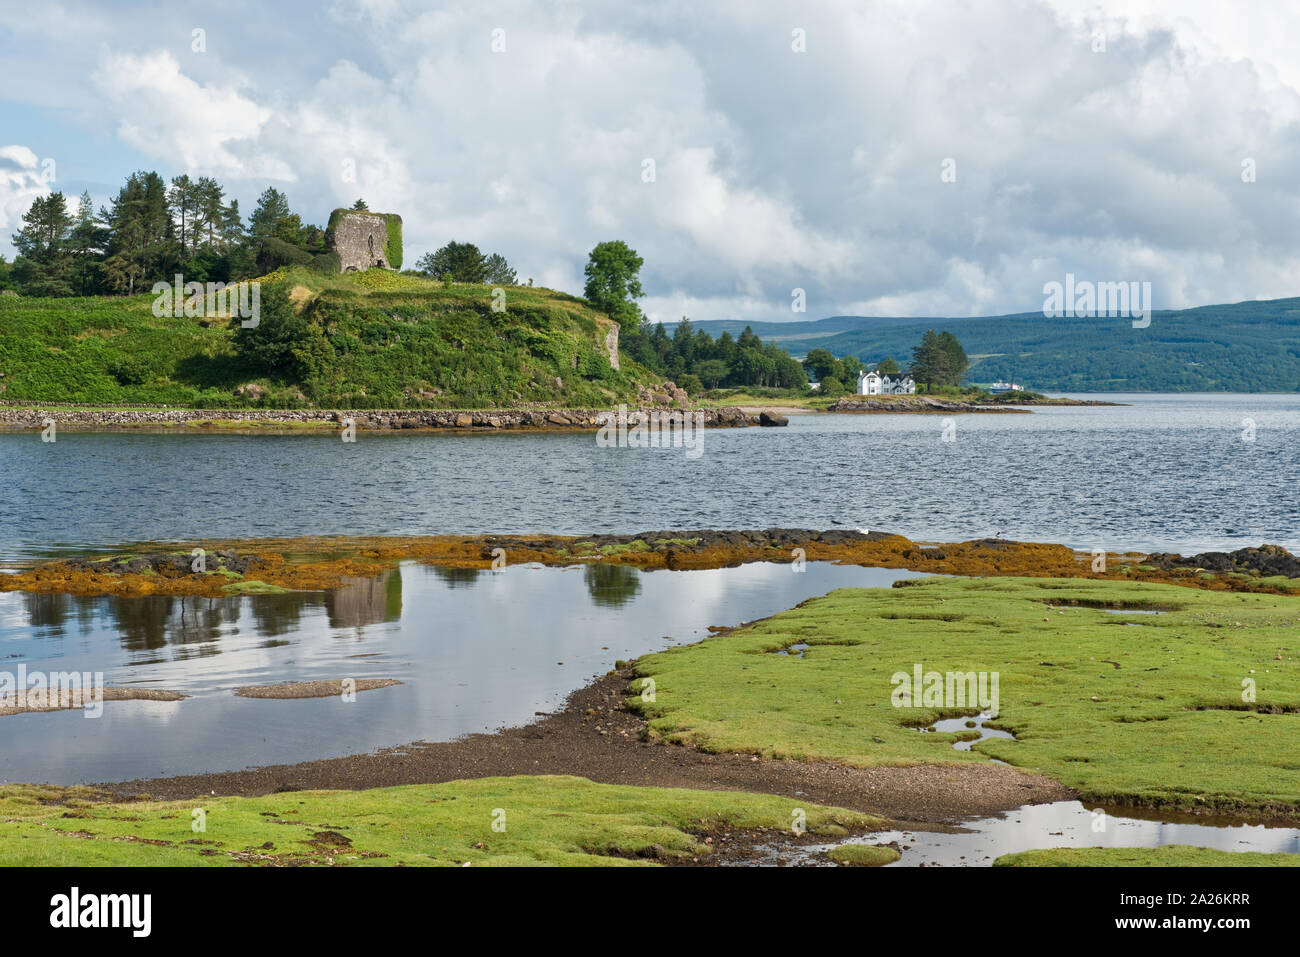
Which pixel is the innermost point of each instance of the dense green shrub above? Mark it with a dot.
(271, 345)
(593, 366)
(690, 384)
(327, 263)
(832, 386)
(276, 253)
(131, 370)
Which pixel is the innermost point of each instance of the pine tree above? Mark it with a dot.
(954, 359)
(86, 245)
(180, 202)
(43, 267)
(498, 271)
(926, 360)
(232, 227)
(141, 232)
(939, 359)
(208, 210)
(268, 217)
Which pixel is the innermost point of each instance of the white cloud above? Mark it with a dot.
(169, 116)
(23, 177)
(774, 169)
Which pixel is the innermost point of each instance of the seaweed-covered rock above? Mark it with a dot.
(164, 564)
(1265, 561)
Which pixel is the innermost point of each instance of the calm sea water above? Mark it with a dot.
(480, 650)
(1168, 472)
(474, 650)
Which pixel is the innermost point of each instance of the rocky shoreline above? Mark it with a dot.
(315, 564)
(915, 404)
(165, 419)
(927, 403)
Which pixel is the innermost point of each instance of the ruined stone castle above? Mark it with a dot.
(361, 241)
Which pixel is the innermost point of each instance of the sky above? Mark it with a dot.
(859, 158)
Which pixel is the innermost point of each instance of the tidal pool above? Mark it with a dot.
(1058, 824)
(977, 723)
(1074, 824)
(474, 650)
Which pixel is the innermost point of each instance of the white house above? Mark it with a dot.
(886, 383)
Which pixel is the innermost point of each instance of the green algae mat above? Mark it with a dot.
(1149, 694)
(513, 821)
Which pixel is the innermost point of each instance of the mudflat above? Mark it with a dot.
(596, 737)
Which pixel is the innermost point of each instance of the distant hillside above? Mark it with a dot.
(1251, 346)
(800, 333)
(361, 340)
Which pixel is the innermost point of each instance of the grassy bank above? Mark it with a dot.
(1170, 855)
(361, 340)
(539, 820)
(765, 398)
(817, 402)
(1129, 707)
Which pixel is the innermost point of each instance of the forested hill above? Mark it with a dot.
(1251, 346)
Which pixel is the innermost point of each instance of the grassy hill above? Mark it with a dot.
(1251, 346)
(371, 340)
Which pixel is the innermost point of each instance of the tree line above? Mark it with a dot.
(153, 229)
(695, 360)
(938, 360)
(691, 358)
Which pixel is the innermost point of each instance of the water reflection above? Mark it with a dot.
(474, 650)
(48, 611)
(1073, 824)
(457, 577)
(366, 601)
(148, 624)
(611, 586)
(275, 615)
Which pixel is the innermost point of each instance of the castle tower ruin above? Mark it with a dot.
(362, 240)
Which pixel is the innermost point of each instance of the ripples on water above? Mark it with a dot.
(1167, 473)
